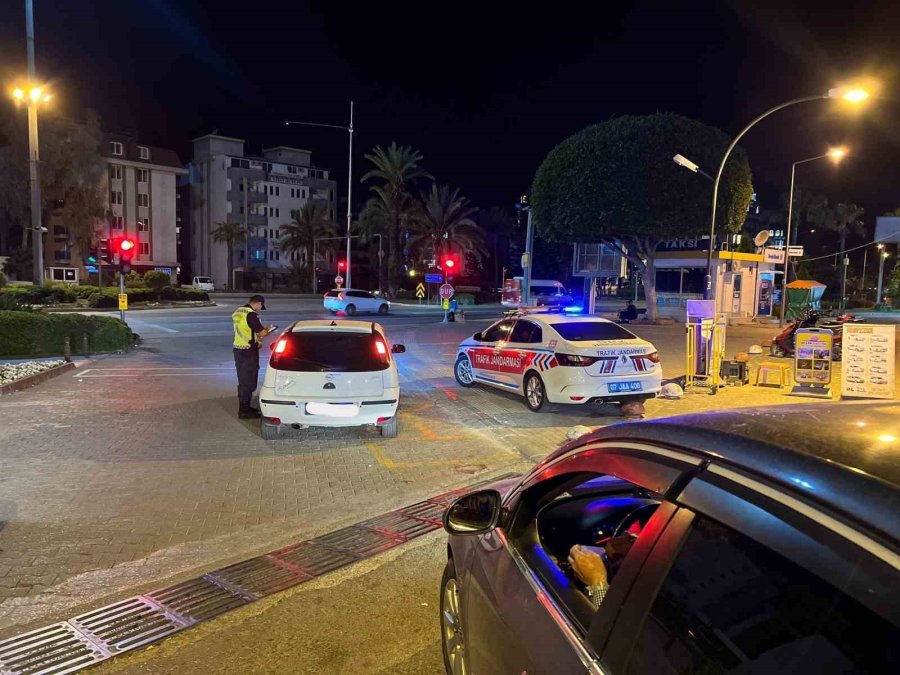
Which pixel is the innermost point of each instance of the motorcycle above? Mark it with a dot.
(783, 343)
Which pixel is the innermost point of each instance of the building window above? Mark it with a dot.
(241, 210)
(143, 152)
(115, 148)
(277, 191)
(278, 213)
(143, 224)
(143, 200)
(115, 172)
(277, 255)
(116, 223)
(143, 175)
(277, 234)
(115, 197)
(241, 186)
(267, 167)
(145, 248)
(240, 163)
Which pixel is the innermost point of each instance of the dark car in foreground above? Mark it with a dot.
(760, 541)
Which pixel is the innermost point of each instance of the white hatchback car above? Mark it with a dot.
(349, 301)
(553, 357)
(330, 374)
(204, 284)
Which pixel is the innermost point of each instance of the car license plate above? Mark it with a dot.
(332, 409)
(619, 387)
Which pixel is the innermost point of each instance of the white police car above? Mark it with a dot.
(330, 374)
(560, 358)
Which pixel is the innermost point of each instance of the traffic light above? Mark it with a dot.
(93, 257)
(342, 265)
(449, 262)
(103, 250)
(126, 255)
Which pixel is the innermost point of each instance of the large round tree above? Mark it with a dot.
(616, 183)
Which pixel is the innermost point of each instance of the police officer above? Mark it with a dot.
(248, 335)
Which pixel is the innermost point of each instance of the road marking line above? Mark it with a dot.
(156, 325)
(388, 463)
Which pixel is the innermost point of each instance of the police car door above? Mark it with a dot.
(520, 353)
(486, 359)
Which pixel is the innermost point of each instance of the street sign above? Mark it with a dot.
(338, 280)
(446, 291)
(123, 301)
(420, 290)
(446, 304)
(795, 251)
(812, 362)
(773, 255)
(434, 278)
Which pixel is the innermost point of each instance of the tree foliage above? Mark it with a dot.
(308, 223)
(71, 173)
(615, 182)
(395, 168)
(443, 223)
(229, 233)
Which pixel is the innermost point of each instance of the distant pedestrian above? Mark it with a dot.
(629, 313)
(248, 335)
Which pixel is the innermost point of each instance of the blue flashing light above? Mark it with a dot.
(573, 310)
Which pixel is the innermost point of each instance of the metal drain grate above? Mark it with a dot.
(258, 576)
(53, 650)
(128, 624)
(98, 635)
(312, 559)
(399, 525)
(357, 541)
(197, 600)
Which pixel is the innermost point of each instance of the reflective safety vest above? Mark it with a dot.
(244, 337)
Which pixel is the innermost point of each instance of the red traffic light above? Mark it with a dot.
(449, 263)
(341, 264)
(126, 245)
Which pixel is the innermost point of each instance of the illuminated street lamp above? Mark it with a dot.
(835, 154)
(33, 95)
(853, 95)
(884, 256)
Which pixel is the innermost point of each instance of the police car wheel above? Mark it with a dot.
(535, 393)
(383, 309)
(350, 310)
(390, 429)
(462, 371)
(269, 431)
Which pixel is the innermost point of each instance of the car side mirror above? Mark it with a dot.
(474, 513)
(398, 349)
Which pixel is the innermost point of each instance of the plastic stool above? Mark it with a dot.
(783, 370)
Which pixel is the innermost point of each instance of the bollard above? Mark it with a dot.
(67, 349)
(84, 345)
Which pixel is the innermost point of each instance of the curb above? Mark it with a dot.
(37, 378)
(64, 310)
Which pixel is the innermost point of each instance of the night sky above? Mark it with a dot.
(483, 90)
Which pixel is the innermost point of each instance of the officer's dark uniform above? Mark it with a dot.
(248, 333)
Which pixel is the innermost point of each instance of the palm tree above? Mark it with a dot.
(308, 223)
(845, 219)
(229, 234)
(444, 223)
(395, 167)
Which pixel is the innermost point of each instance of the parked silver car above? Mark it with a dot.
(764, 541)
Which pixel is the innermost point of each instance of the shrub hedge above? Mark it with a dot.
(39, 334)
(97, 298)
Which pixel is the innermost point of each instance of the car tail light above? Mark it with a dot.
(382, 420)
(653, 358)
(380, 348)
(273, 420)
(280, 346)
(577, 398)
(576, 360)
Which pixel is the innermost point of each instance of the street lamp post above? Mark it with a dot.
(348, 129)
(848, 94)
(884, 255)
(836, 155)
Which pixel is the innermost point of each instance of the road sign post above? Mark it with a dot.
(420, 292)
(338, 280)
(446, 292)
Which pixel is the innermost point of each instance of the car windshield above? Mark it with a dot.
(584, 331)
(548, 290)
(314, 352)
(204, 280)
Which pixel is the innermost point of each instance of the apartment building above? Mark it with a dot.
(258, 192)
(139, 184)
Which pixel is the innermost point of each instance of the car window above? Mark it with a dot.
(602, 514)
(499, 331)
(333, 294)
(527, 332)
(584, 331)
(359, 294)
(203, 280)
(730, 604)
(548, 290)
(314, 352)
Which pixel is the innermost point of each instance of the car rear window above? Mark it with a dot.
(323, 352)
(203, 280)
(584, 331)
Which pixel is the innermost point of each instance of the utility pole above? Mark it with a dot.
(37, 237)
(349, 193)
(244, 276)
